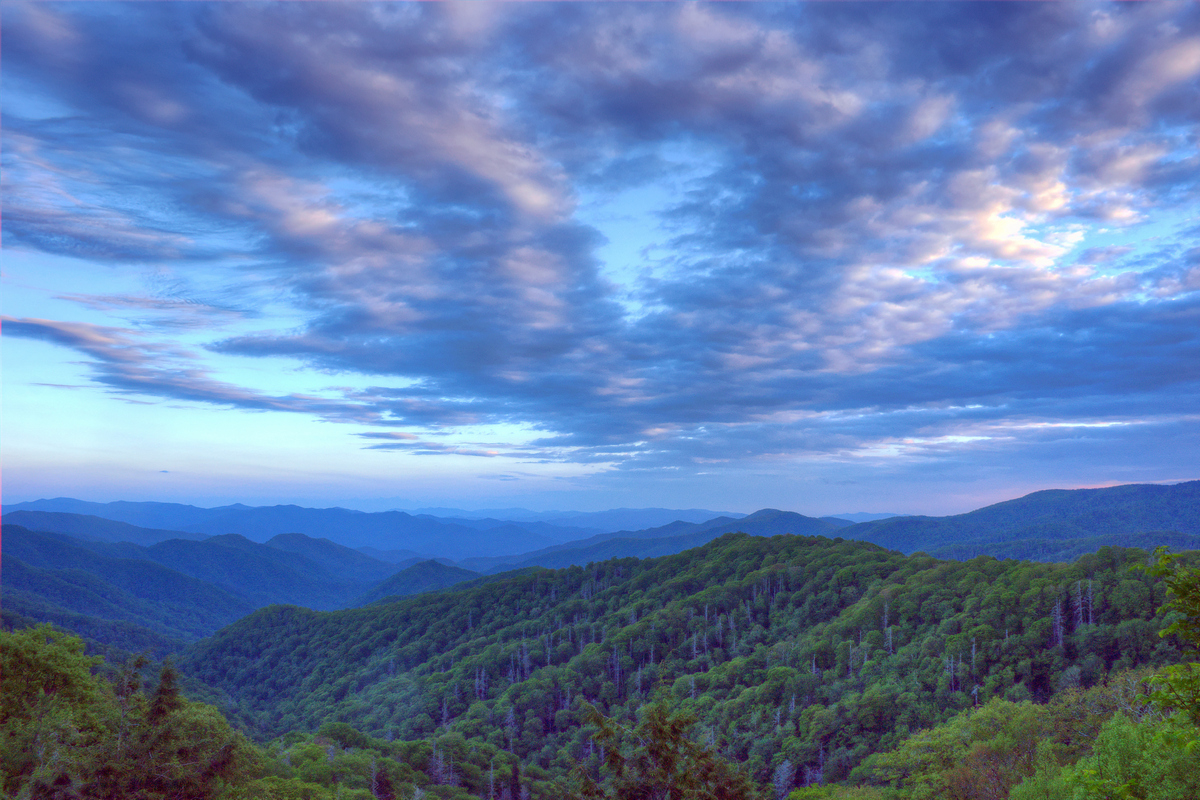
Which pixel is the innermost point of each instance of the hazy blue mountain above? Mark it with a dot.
(291, 568)
(861, 516)
(169, 516)
(612, 548)
(636, 519)
(483, 544)
(262, 574)
(424, 576)
(66, 574)
(664, 540)
(398, 558)
(1060, 550)
(131, 597)
(343, 562)
(387, 530)
(554, 533)
(1051, 515)
(510, 514)
(610, 521)
(93, 528)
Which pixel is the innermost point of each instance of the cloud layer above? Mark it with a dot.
(895, 231)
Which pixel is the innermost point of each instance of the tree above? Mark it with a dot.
(50, 712)
(65, 733)
(656, 760)
(1178, 686)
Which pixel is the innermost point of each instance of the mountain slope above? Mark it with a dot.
(425, 576)
(261, 574)
(67, 575)
(1050, 515)
(351, 565)
(672, 538)
(1067, 549)
(815, 650)
(214, 572)
(635, 519)
(387, 530)
(87, 526)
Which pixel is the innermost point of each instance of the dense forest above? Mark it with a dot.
(824, 667)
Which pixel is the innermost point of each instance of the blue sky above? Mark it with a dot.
(822, 257)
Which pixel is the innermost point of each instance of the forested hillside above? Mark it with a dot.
(124, 598)
(1048, 516)
(804, 650)
(748, 668)
(424, 576)
(674, 537)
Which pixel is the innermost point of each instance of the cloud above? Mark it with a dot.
(883, 241)
(126, 363)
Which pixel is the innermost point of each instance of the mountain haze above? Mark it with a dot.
(674, 537)
(424, 576)
(94, 528)
(1053, 514)
(387, 530)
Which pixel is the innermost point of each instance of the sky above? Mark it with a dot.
(823, 257)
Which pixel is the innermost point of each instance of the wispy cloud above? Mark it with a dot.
(894, 240)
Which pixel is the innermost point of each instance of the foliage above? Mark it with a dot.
(656, 760)
(985, 752)
(68, 733)
(799, 650)
(1179, 684)
(1146, 760)
(842, 793)
(793, 662)
(1135, 737)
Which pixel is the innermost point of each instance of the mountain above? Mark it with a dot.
(1051, 515)
(170, 516)
(861, 516)
(636, 519)
(674, 537)
(261, 574)
(179, 588)
(90, 527)
(510, 514)
(813, 650)
(60, 575)
(387, 530)
(399, 558)
(553, 533)
(424, 576)
(1068, 549)
(610, 521)
(347, 564)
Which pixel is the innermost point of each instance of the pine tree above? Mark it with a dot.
(166, 695)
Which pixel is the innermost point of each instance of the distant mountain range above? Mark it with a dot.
(424, 535)
(862, 516)
(615, 519)
(664, 540)
(489, 544)
(94, 569)
(157, 597)
(1053, 515)
(93, 528)
(388, 530)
